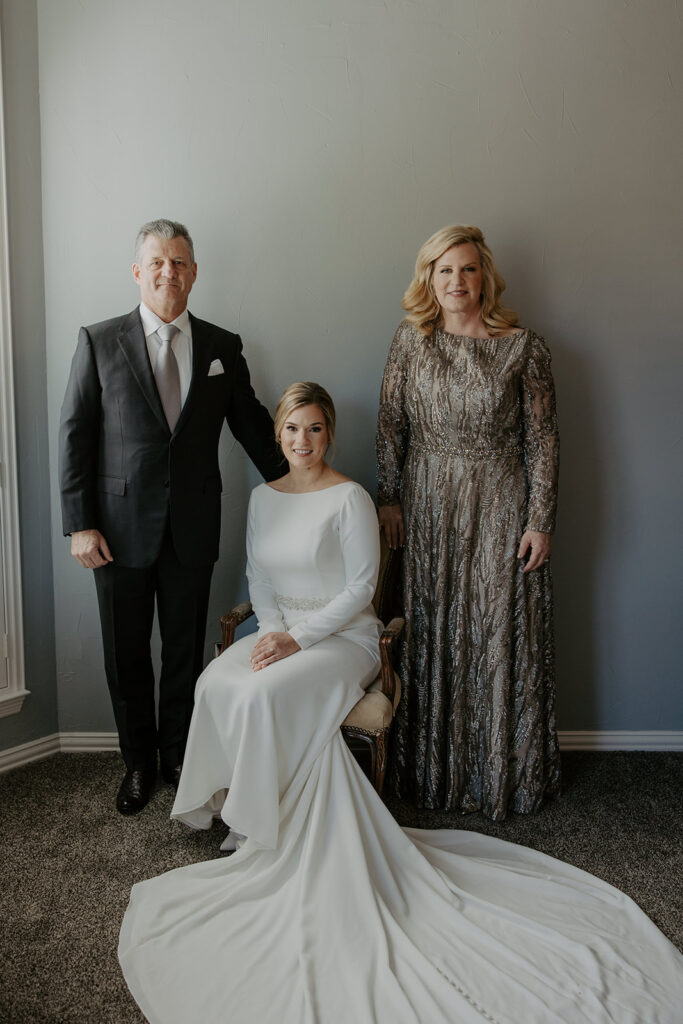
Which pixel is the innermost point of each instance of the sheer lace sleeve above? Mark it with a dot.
(393, 427)
(541, 438)
(261, 590)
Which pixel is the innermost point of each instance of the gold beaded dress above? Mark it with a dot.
(467, 443)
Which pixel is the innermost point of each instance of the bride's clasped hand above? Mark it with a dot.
(272, 647)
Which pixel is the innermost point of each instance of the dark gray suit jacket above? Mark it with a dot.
(121, 469)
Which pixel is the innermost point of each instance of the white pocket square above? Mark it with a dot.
(215, 368)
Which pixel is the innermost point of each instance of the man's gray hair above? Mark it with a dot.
(162, 229)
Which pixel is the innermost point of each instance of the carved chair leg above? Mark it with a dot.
(369, 742)
(373, 763)
(381, 762)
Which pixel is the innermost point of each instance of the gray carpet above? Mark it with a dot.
(69, 860)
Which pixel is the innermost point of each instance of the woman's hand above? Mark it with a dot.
(391, 521)
(272, 647)
(539, 543)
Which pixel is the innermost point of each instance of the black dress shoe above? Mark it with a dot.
(135, 790)
(172, 775)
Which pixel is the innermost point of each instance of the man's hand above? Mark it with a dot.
(540, 548)
(391, 521)
(272, 647)
(90, 549)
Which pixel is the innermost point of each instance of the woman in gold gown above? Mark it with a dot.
(467, 466)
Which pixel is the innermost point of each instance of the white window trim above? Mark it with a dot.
(13, 695)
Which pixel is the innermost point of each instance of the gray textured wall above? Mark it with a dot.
(22, 137)
(311, 146)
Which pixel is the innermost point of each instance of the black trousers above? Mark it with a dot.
(126, 600)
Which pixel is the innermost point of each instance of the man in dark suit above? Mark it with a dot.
(141, 490)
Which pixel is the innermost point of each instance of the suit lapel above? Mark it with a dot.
(134, 347)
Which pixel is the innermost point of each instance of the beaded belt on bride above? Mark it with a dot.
(301, 604)
(422, 448)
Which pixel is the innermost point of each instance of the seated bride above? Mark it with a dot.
(329, 912)
(312, 563)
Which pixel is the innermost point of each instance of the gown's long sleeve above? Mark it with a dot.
(393, 426)
(541, 438)
(261, 589)
(359, 541)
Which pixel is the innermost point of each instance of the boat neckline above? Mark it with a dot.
(319, 490)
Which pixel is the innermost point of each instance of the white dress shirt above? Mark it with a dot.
(181, 344)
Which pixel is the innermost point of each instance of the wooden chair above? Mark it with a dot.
(366, 727)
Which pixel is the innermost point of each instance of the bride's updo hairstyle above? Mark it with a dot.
(305, 393)
(423, 309)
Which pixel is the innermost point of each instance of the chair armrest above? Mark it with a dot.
(231, 621)
(386, 655)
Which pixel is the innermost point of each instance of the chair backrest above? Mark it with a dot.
(388, 599)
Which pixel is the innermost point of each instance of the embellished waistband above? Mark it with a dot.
(422, 448)
(301, 604)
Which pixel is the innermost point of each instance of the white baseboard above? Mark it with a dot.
(57, 743)
(625, 740)
(98, 742)
(88, 742)
(36, 750)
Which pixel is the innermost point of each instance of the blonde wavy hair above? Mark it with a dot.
(305, 393)
(424, 312)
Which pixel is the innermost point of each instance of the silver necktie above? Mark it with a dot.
(167, 375)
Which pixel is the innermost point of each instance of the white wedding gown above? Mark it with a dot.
(330, 913)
